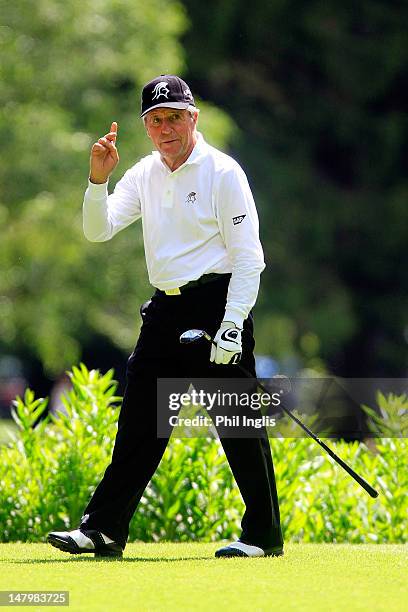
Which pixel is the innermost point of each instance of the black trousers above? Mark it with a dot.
(138, 450)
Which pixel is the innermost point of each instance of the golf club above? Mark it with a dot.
(193, 335)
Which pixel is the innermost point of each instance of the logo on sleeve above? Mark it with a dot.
(191, 198)
(239, 219)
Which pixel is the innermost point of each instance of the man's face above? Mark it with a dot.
(173, 134)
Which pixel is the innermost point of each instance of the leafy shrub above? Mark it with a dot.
(391, 420)
(50, 469)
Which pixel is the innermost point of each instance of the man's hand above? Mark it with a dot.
(228, 344)
(104, 156)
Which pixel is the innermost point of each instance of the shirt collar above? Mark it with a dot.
(200, 150)
(198, 153)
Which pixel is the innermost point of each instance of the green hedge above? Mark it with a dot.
(48, 473)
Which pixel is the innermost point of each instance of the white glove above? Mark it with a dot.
(228, 344)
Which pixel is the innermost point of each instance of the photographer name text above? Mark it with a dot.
(219, 420)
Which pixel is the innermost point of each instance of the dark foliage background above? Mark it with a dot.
(308, 96)
(317, 91)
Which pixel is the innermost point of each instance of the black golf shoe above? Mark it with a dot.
(82, 541)
(239, 549)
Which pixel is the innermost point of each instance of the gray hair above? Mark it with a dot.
(193, 110)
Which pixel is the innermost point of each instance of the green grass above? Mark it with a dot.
(156, 577)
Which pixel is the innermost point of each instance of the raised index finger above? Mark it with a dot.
(114, 127)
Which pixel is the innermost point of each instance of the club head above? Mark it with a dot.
(193, 335)
(277, 384)
(283, 382)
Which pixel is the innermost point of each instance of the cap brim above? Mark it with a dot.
(178, 105)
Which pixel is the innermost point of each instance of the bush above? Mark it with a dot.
(51, 467)
(49, 471)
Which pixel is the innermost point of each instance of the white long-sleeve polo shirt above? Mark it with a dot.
(198, 219)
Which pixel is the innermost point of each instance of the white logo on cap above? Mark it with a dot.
(188, 94)
(161, 89)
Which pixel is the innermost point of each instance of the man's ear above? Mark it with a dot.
(147, 131)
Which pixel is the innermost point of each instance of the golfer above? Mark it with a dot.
(204, 259)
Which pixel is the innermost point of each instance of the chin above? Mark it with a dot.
(171, 153)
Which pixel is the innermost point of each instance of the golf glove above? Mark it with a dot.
(228, 344)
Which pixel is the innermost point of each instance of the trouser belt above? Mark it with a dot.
(203, 280)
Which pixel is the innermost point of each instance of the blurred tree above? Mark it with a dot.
(317, 90)
(67, 70)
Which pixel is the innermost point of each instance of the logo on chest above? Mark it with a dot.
(191, 198)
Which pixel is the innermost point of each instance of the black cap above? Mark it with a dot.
(166, 91)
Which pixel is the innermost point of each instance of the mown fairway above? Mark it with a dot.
(187, 577)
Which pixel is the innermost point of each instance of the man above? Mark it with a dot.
(204, 258)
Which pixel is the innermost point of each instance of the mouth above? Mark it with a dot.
(169, 141)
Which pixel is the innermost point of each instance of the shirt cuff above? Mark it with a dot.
(234, 316)
(97, 191)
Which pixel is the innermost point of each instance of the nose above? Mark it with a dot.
(166, 127)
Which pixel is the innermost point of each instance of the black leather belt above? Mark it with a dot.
(203, 280)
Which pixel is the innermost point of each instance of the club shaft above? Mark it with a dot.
(363, 483)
